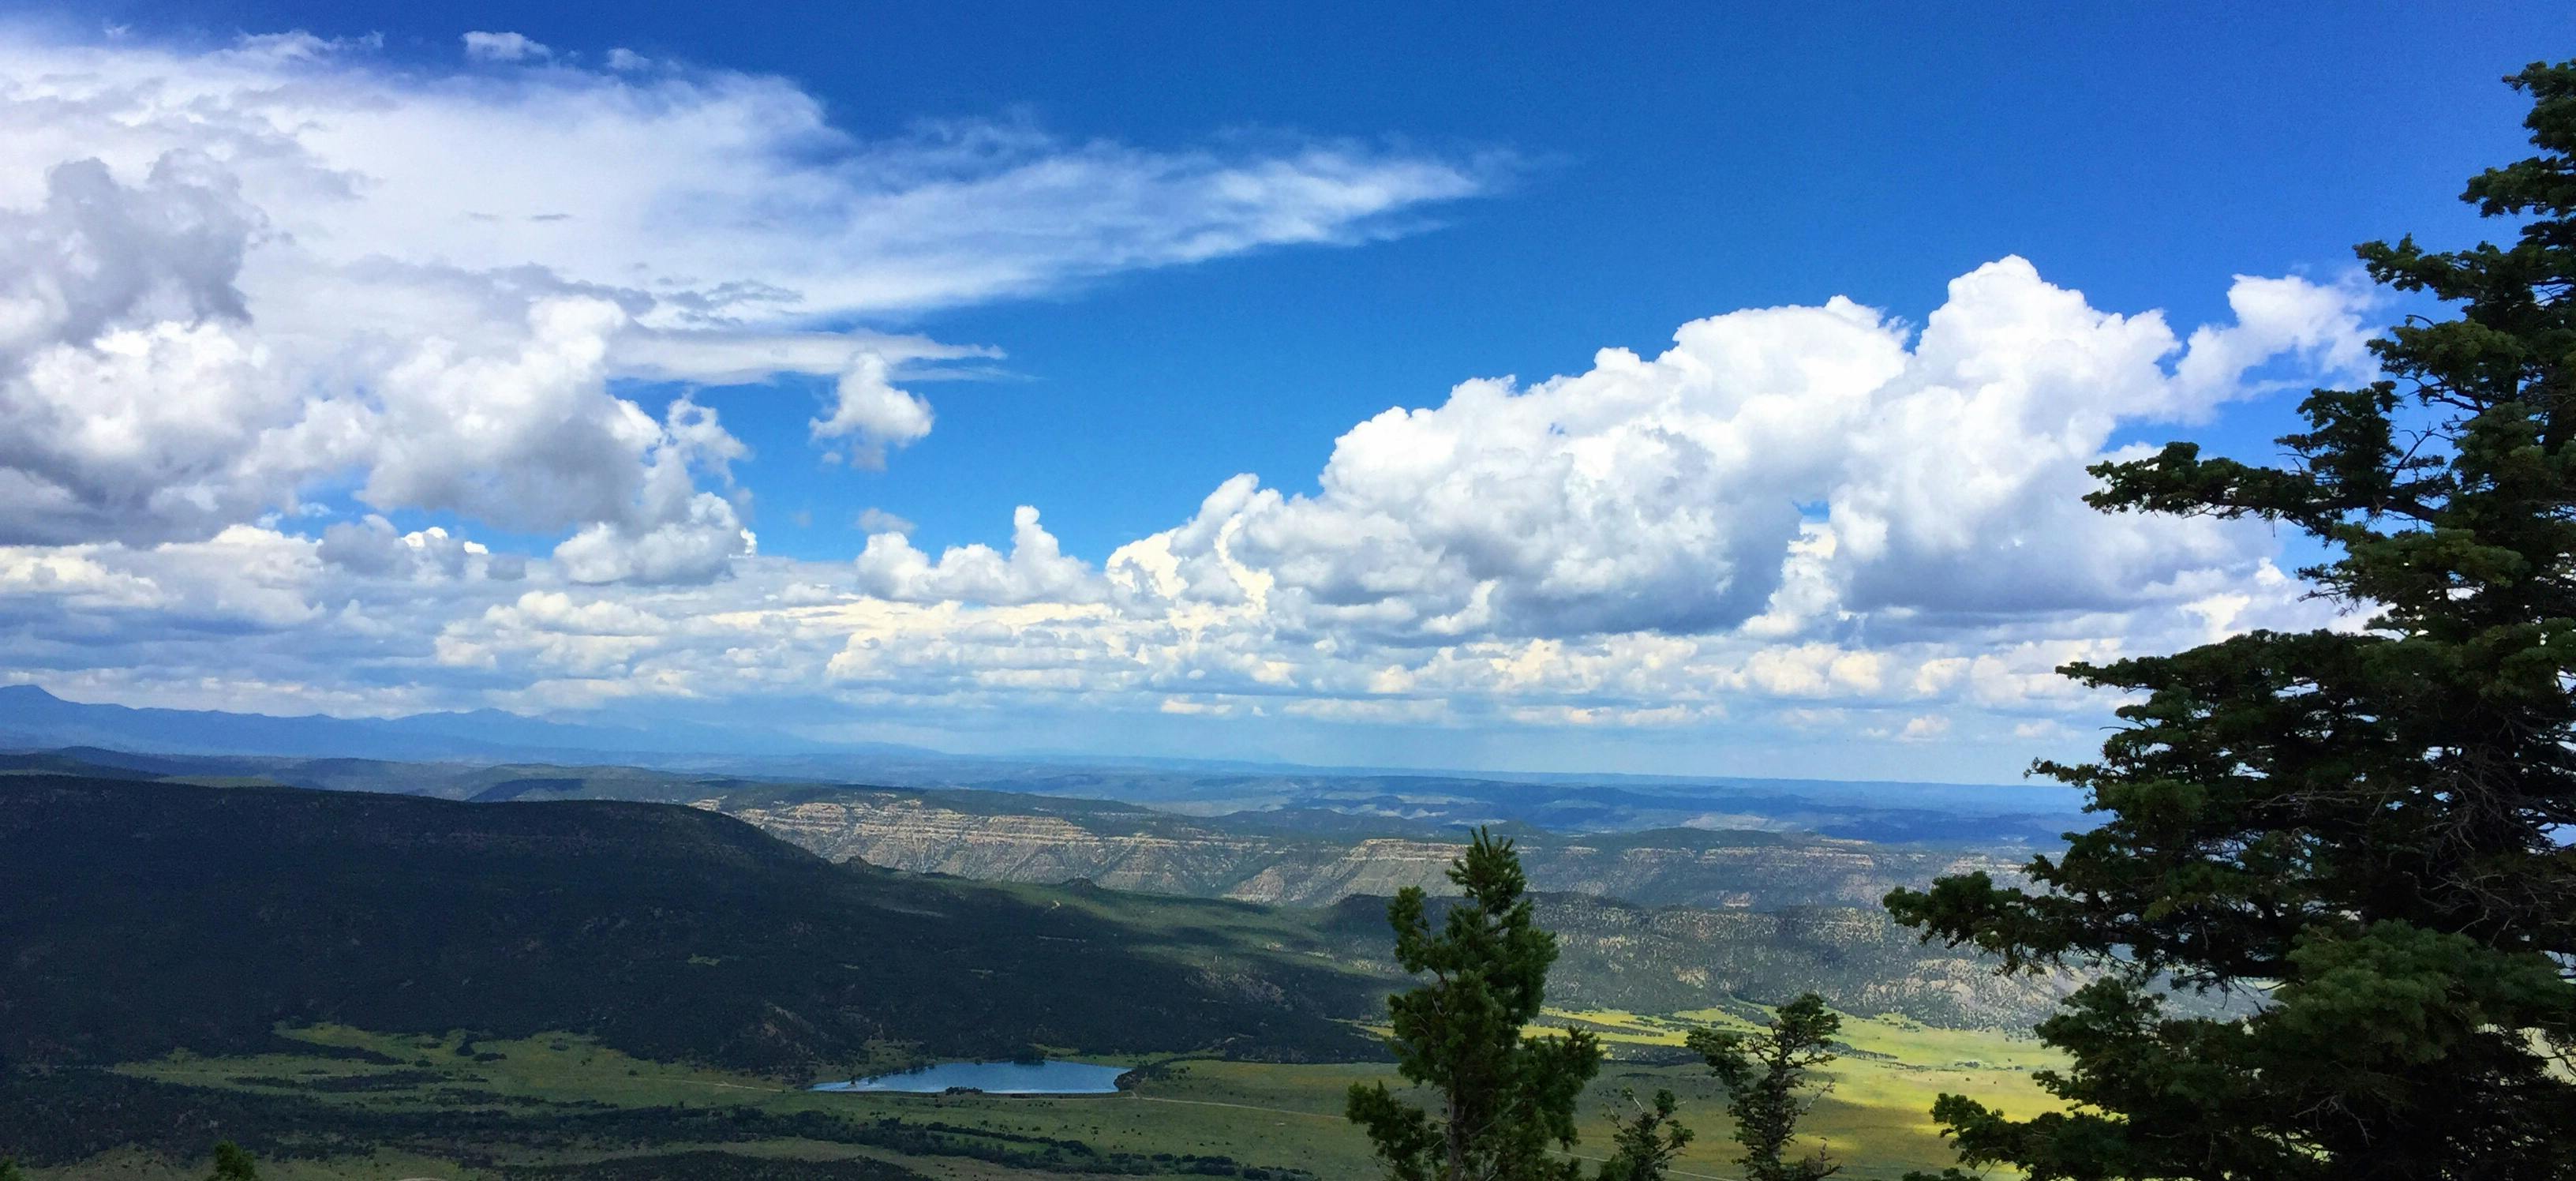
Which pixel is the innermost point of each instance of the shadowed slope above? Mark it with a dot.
(142, 917)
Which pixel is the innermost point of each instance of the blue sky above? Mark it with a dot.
(1675, 161)
(1530, 186)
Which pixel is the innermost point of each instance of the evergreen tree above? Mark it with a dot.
(233, 1164)
(2361, 831)
(1770, 1085)
(9, 1170)
(1647, 1140)
(1505, 1096)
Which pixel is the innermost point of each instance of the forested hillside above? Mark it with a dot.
(143, 917)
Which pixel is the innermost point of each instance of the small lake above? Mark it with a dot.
(995, 1078)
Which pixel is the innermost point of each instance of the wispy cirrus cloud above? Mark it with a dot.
(240, 272)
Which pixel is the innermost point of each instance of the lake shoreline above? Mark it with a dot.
(1042, 1079)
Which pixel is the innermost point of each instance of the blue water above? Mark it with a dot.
(995, 1078)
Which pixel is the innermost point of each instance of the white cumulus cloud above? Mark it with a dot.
(235, 278)
(869, 415)
(1785, 464)
(504, 47)
(1035, 570)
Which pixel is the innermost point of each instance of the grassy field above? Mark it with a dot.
(1876, 1116)
(1257, 1114)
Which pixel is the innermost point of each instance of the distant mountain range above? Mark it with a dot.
(1379, 800)
(31, 718)
(1299, 856)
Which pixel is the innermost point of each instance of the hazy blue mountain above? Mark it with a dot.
(1392, 800)
(30, 717)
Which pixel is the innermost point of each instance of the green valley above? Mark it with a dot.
(338, 1102)
(358, 984)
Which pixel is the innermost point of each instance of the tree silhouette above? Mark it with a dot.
(233, 1164)
(2360, 830)
(1770, 1084)
(1505, 1096)
(1647, 1141)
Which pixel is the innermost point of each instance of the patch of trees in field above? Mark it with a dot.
(1506, 1098)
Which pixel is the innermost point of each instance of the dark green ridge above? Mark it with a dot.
(141, 918)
